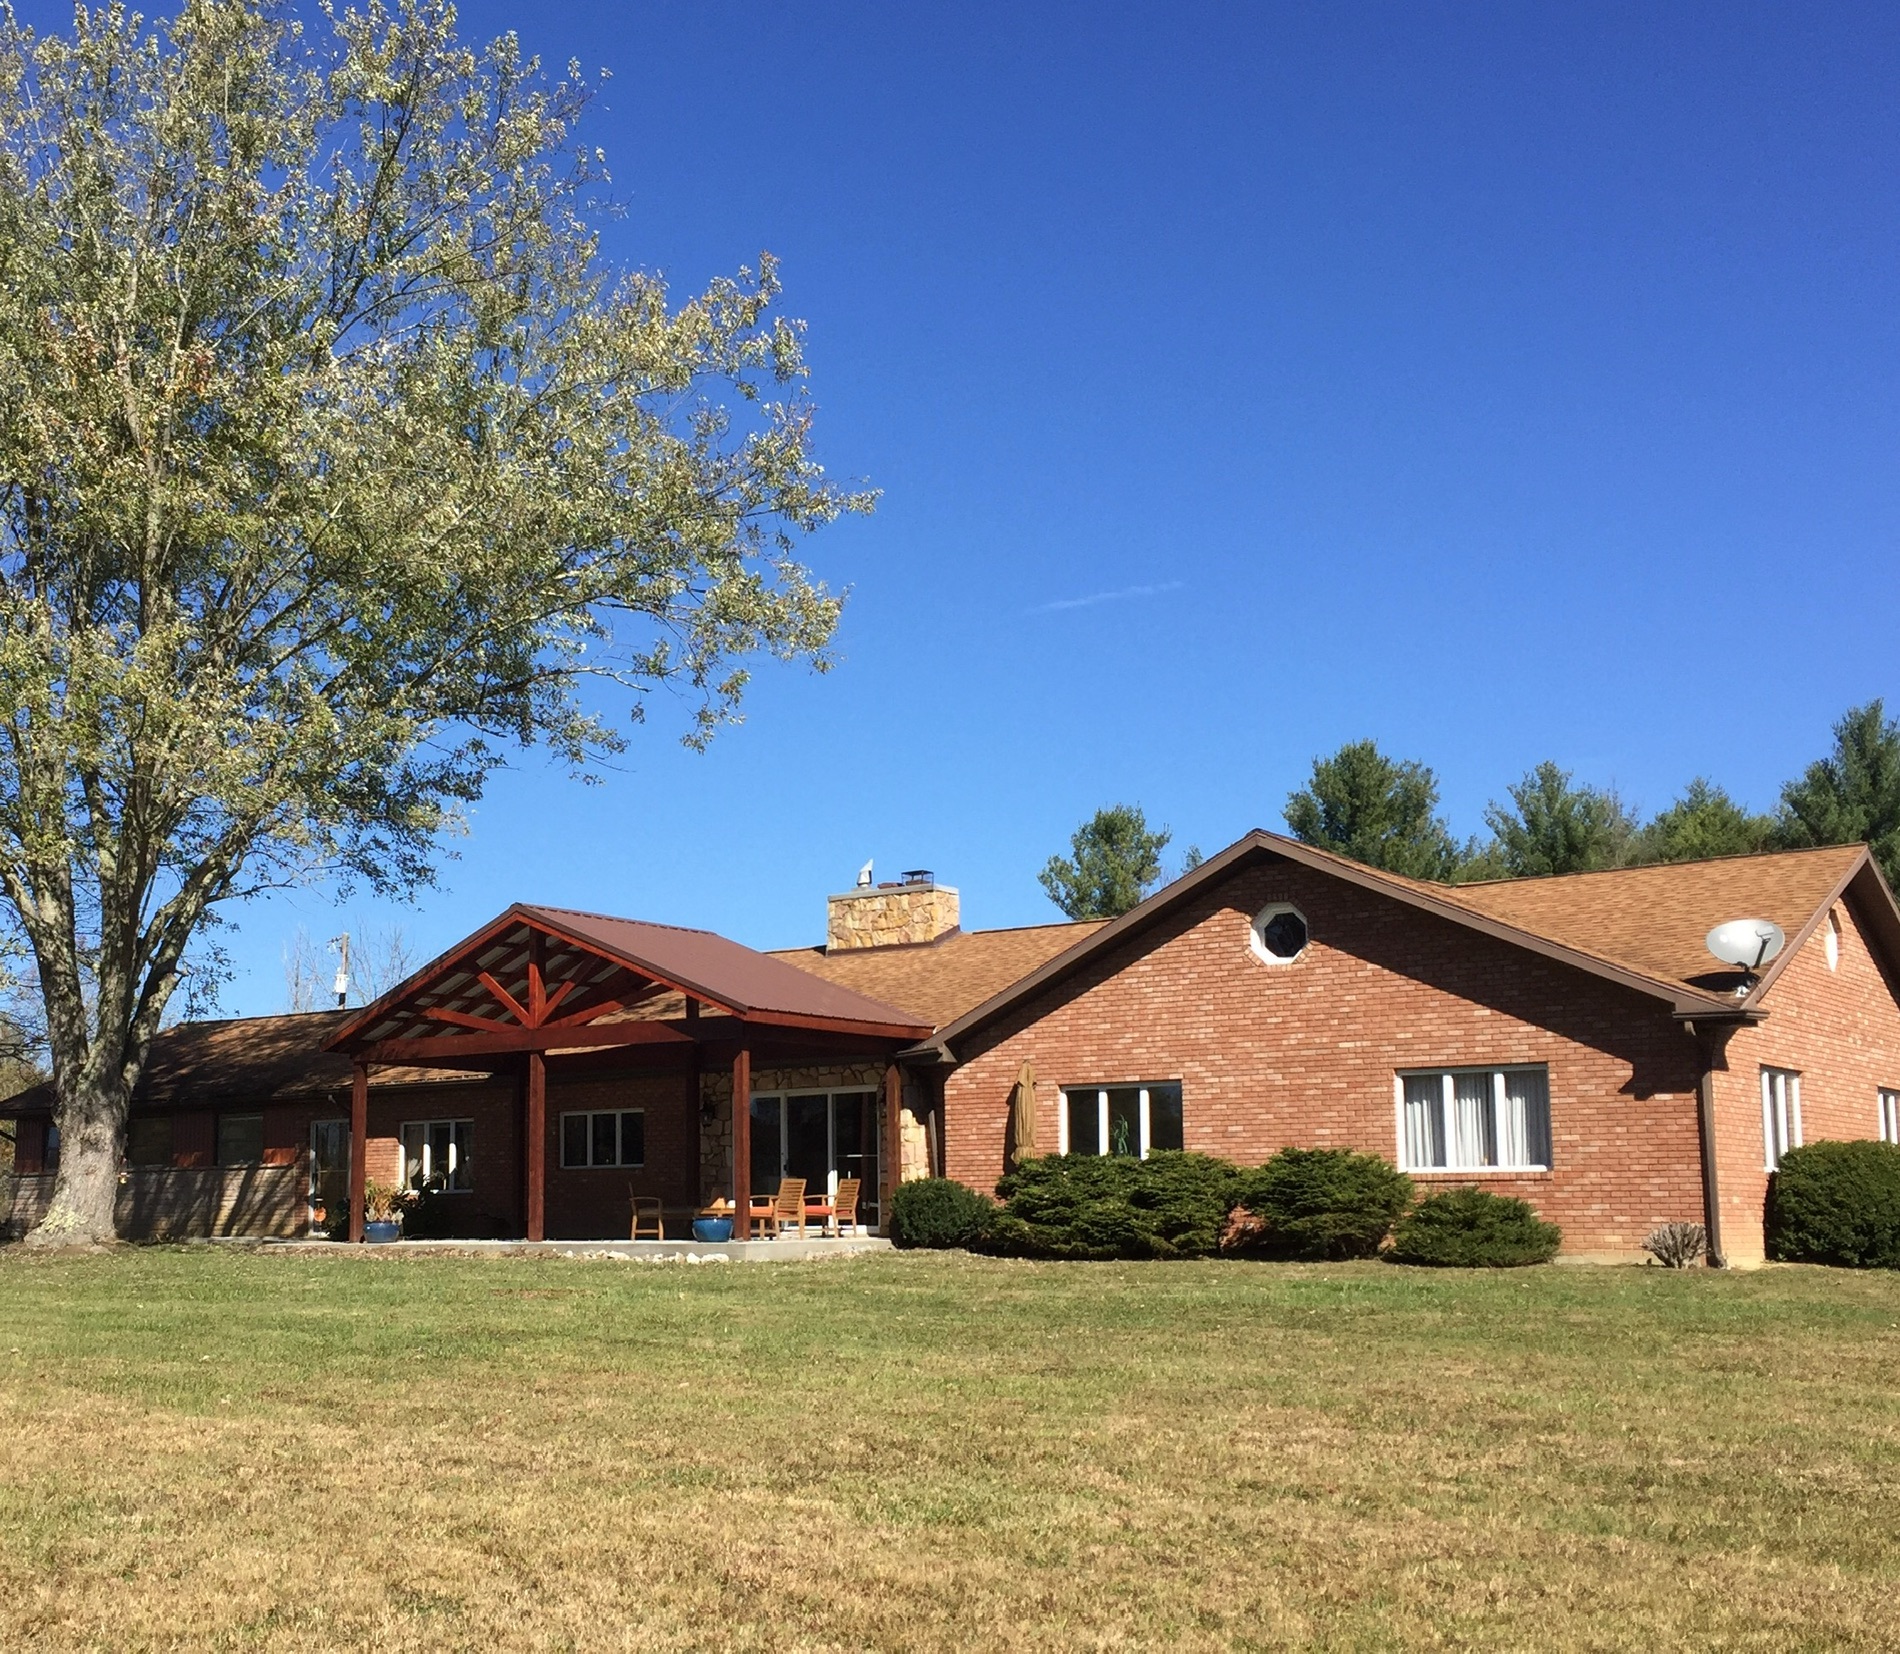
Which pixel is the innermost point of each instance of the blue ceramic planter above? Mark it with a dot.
(712, 1229)
(381, 1234)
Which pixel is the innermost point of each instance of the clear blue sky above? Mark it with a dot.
(1502, 382)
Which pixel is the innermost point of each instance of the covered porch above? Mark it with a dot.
(584, 1061)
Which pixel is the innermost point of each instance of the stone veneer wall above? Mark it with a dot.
(887, 914)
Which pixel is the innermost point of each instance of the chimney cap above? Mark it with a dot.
(919, 875)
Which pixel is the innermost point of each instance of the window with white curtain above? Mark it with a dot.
(1475, 1119)
(1889, 1115)
(1780, 1114)
(435, 1155)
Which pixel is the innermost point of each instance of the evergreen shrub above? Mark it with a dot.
(1318, 1204)
(1474, 1229)
(1837, 1203)
(1171, 1205)
(937, 1213)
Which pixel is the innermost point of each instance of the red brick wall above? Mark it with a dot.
(1305, 1054)
(493, 1205)
(595, 1202)
(1840, 1030)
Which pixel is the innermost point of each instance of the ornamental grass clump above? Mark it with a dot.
(938, 1213)
(1837, 1203)
(1677, 1245)
(1474, 1229)
(1171, 1205)
(1316, 1204)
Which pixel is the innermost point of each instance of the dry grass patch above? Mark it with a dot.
(203, 1449)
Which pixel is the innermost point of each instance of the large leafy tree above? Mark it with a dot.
(1704, 822)
(1552, 825)
(1377, 810)
(1114, 860)
(334, 462)
(1852, 795)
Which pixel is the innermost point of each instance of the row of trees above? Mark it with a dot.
(1384, 811)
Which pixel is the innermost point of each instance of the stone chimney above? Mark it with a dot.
(914, 908)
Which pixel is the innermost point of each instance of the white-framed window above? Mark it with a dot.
(1474, 1119)
(1889, 1115)
(435, 1154)
(1279, 933)
(616, 1137)
(1780, 1114)
(1832, 946)
(1119, 1119)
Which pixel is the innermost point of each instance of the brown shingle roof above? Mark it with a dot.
(938, 981)
(1642, 927)
(1639, 922)
(1653, 919)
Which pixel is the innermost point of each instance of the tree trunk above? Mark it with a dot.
(91, 1121)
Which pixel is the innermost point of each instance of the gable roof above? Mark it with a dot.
(938, 981)
(587, 955)
(1640, 927)
(1654, 919)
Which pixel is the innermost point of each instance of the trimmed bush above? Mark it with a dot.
(1837, 1203)
(1171, 1205)
(937, 1213)
(1319, 1203)
(1474, 1229)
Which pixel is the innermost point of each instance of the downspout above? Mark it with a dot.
(1711, 1042)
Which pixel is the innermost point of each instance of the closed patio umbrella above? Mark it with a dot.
(1022, 1116)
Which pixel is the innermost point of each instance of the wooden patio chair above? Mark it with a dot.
(775, 1212)
(840, 1210)
(649, 1219)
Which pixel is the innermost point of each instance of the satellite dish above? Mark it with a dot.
(1749, 943)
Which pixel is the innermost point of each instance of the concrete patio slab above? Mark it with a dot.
(787, 1250)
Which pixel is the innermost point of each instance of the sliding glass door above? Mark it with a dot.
(821, 1136)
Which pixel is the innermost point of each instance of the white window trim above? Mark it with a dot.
(1449, 1081)
(588, 1115)
(1257, 940)
(1889, 1112)
(1780, 1114)
(1144, 1115)
(428, 1171)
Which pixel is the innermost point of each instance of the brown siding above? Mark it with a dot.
(173, 1203)
(1306, 1054)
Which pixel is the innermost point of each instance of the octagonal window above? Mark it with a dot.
(1279, 933)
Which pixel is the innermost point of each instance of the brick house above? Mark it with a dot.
(1569, 1040)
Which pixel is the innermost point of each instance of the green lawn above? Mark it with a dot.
(207, 1449)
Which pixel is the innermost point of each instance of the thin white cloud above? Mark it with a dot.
(1090, 601)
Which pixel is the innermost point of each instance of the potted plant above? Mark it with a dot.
(714, 1223)
(382, 1213)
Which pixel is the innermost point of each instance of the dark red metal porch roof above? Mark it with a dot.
(555, 968)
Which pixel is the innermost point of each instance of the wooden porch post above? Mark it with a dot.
(742, 1143)
(890, 1160)
(359, 1144)
(534, 1155)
